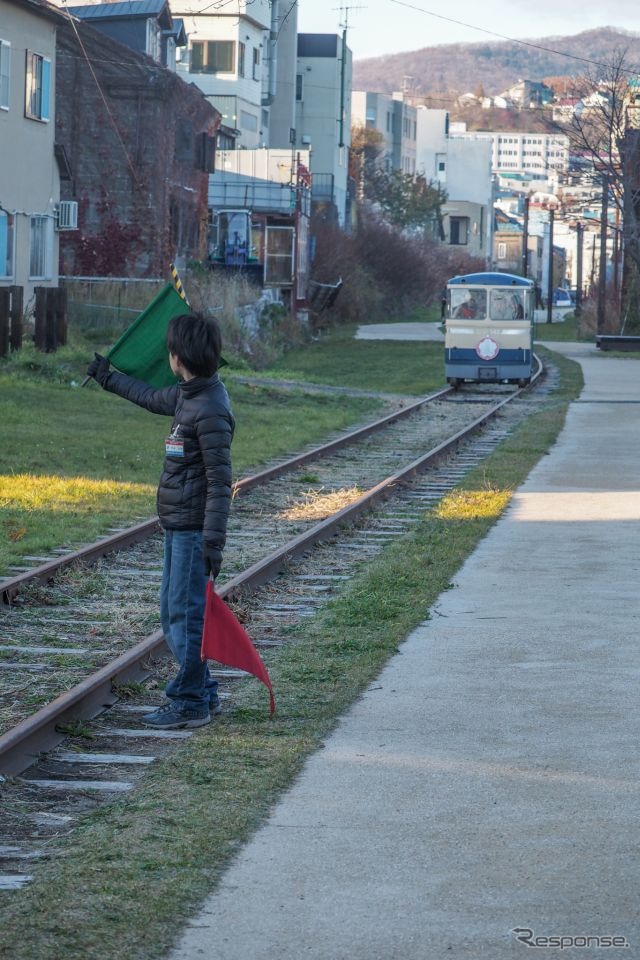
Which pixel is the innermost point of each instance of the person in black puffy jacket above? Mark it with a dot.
(194, 495)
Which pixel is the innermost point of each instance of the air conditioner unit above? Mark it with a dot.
(67, 215)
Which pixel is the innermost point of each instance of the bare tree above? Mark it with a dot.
(606, 146)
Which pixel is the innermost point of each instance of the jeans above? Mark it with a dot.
(182, 602)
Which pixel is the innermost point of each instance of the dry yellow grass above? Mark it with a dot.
(316, 505)
(34, 492)
(473, 504)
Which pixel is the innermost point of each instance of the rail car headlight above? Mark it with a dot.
(487, 349)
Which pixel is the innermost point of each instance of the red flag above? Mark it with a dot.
(226, 640)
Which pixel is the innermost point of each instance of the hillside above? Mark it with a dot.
(461, 67)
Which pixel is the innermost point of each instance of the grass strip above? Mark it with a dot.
(138, 868)
(393, 366)
(75, 462)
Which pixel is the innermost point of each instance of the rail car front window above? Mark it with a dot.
(507, 305)
(468, 304)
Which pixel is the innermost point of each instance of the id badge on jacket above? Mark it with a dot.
(174, 443)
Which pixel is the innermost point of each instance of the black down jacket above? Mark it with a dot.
(194, 492)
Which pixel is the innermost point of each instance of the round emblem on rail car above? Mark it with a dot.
(487, 349)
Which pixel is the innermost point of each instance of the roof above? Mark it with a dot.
(125, 10)
(491, 279)
(40, 8)
(178, 31)
(506, 224)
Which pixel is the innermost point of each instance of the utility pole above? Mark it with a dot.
(579, 240)
(343, 66)
(550, 268)
(525, 239)
(616, 256)
(602, 276)
(343, 63)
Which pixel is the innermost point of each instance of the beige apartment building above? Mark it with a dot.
(29, 171)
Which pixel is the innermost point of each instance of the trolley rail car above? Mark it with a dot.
(489, 329)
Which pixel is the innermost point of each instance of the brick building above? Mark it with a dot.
(139, 145)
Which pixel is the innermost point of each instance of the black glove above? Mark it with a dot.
(99, 369)
(212, 561)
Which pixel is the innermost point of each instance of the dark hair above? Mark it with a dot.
(195, 340)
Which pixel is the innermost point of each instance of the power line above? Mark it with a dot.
(501, 36)
(285, 18)
(104, 99)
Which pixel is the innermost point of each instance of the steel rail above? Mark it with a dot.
(21, 745)
(10, 587)
(248, 483)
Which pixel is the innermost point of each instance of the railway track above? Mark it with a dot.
(82, 646)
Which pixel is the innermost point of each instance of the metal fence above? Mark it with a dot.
(107, 305)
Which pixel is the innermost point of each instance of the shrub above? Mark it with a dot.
(386, 272)
(255, 330)
(588, 320)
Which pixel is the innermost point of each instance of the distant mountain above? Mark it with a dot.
(493, 67)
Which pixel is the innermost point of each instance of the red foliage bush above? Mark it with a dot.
(109, 253)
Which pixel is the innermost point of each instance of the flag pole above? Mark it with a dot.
(177, 282)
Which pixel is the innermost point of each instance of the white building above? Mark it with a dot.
(394, 120)
(231, 57)
(512, 152)
(323, 117)
(282, 100)
(29, 171)
(463, 170)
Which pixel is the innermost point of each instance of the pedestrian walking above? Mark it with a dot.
(538, 295)
(193, 500)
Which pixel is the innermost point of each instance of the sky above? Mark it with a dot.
(376, 27)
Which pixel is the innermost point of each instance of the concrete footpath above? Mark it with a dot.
(488, 780)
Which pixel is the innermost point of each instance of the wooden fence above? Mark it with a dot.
(11, 303)
(50, 318)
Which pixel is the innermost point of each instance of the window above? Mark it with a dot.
(248, 121)
(459, 230)
(213, 56)
(256, 63)
(299, 86)
(5, 68)
(169, 59)
(502, 251)
(153, 40)
(183, 143)
(242, 56)
(40, 248)
(468, 303)
(7, 245)
(278, 261)
(506, 305)
(38, 87)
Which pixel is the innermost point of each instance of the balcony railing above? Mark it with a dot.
(322, 186)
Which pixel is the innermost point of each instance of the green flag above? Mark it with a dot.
(142, 351)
